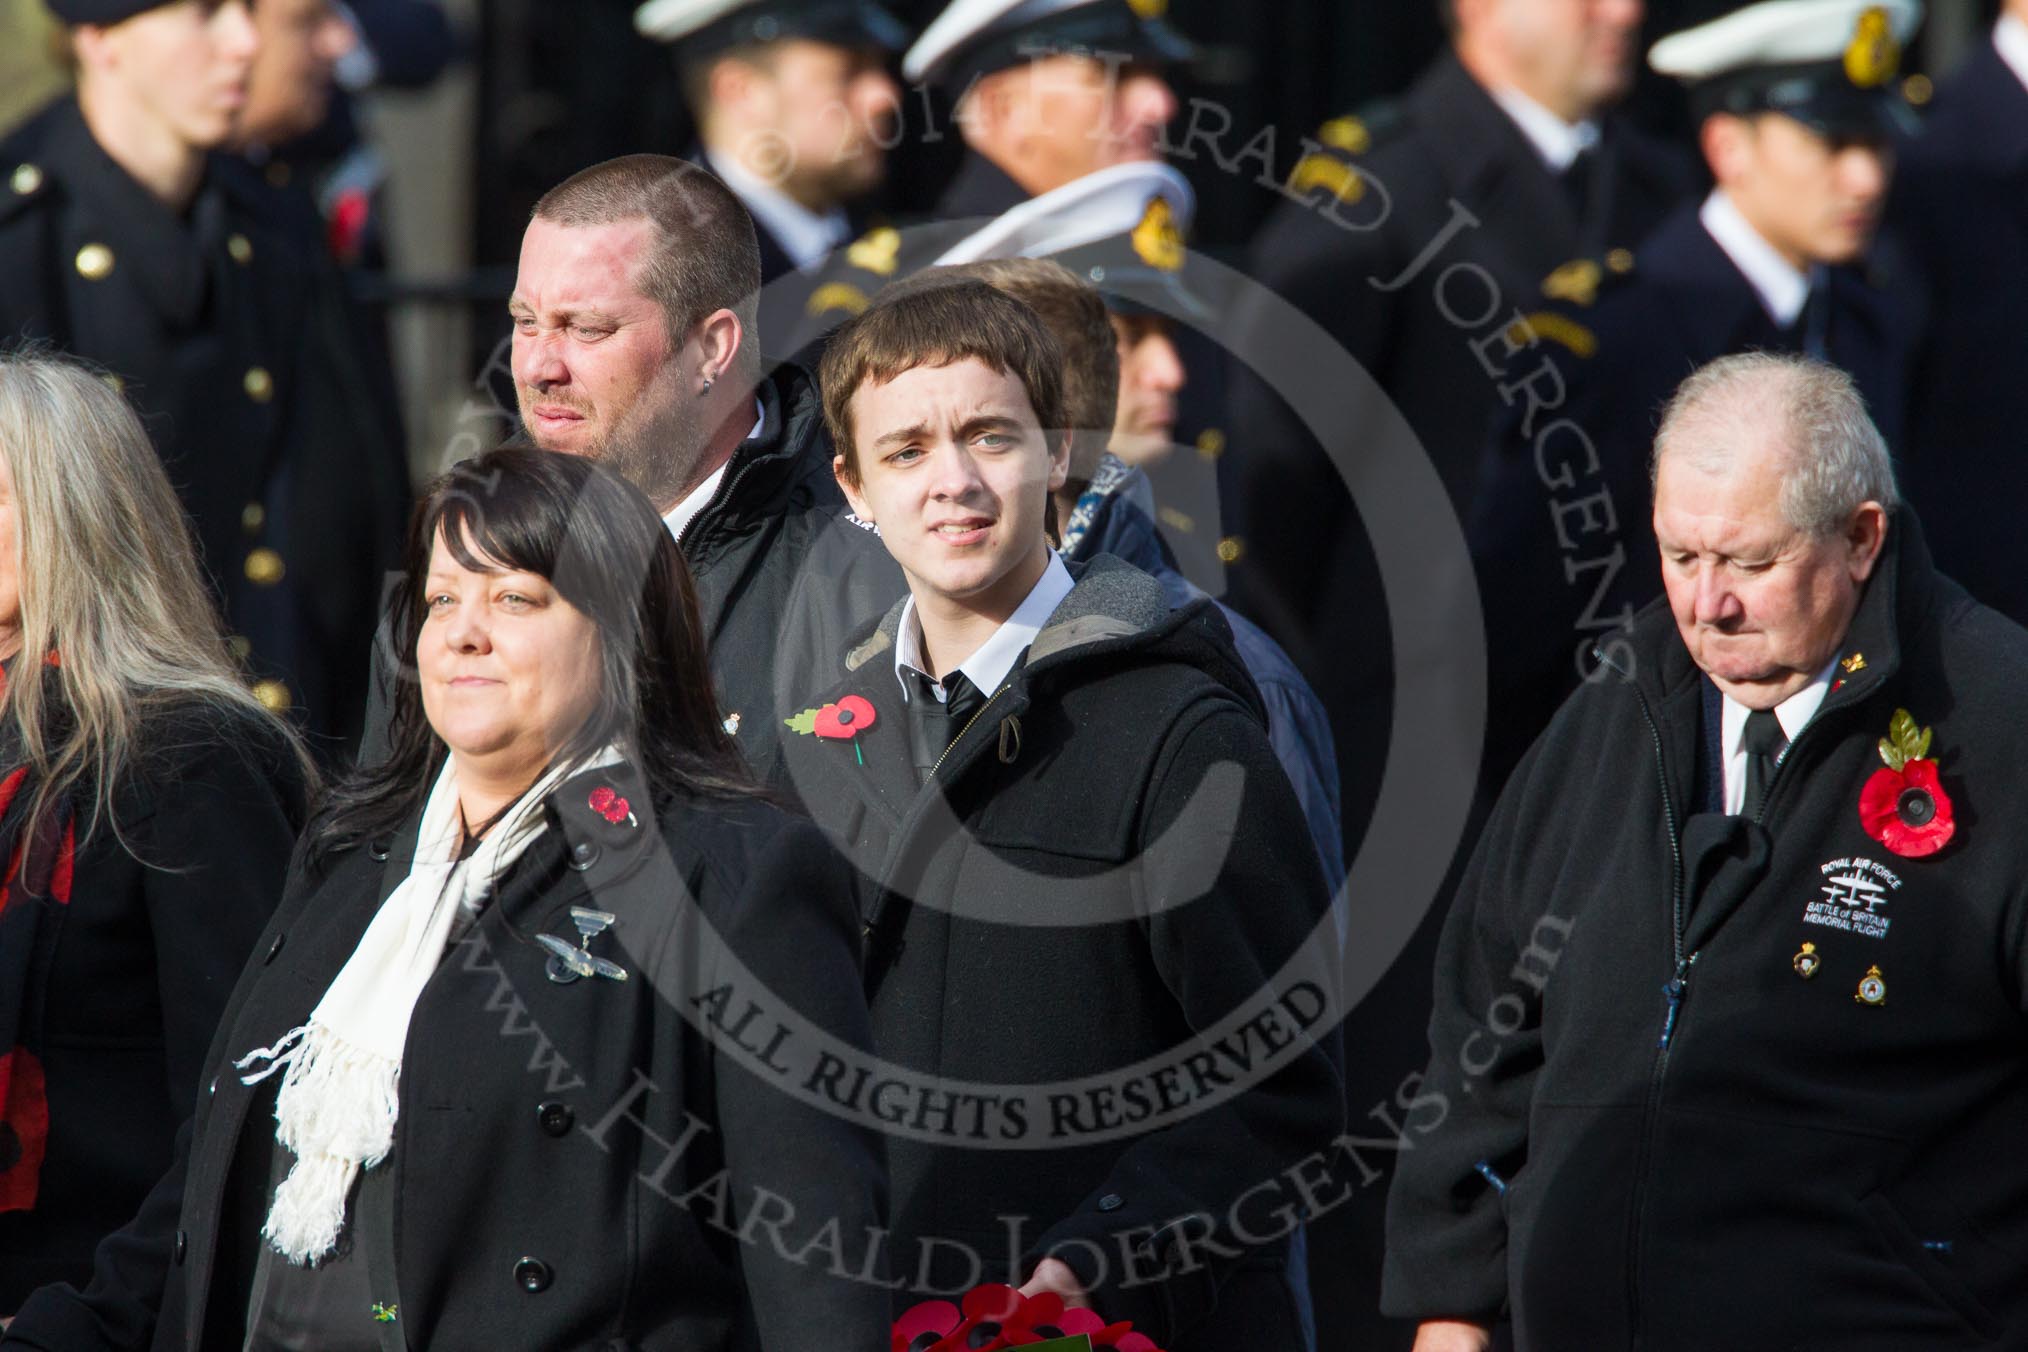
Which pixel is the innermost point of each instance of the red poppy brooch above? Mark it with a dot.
(840, 722)
(996, 1316)
(1904, 806)
(608, 804)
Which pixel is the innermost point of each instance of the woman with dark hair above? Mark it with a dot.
(477, 1091)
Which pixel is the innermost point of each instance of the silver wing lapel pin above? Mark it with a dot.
(568, 962)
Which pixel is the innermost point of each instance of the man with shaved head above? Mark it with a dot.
(1727, 1023)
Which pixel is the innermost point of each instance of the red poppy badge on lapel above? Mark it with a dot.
(1904, 806)
(840, 722)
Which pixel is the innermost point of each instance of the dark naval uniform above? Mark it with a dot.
(1751, 1081)
(1374, 195)
(1961, 203)
(227, 330)
(1562, 533)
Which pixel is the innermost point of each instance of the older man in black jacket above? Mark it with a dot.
(635, 342)
(1728, 1029)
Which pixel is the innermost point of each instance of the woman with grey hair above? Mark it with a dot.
(148, 805)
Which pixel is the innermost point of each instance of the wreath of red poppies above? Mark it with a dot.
(996, 1316)
(1904, 806)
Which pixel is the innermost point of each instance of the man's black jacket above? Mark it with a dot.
(1753, 1158)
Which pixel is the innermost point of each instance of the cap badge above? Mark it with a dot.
(1157, 241)
(1873, 56)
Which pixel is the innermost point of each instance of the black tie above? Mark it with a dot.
(1762, 741)
(938, 723)
(1576, 182)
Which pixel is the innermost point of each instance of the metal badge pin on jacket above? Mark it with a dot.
(1872, 989)
(1806, 962)
(568, 962)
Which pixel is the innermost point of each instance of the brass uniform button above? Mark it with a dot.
(1211, 443)
(241, 649)
(260, 386)
(273, 695)
(241, 249)
(252, 517)
(94, 262)
(264, 567)
(1620, 261)
(27, 179)
(1231, 549)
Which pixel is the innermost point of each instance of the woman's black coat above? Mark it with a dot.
(577, 1166)
(167, 897)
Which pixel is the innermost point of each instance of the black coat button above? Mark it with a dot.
(583, 855)
(273, 949)
(532, 1275)
(379, 850)
(182, 1247)
(555, 1119)
(1112, 1201)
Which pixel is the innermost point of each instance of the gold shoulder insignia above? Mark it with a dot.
(1873, 56)
(1576, 281)
(1557, 328)
(833, 296)
(878, 251)
(1156, 239)
(1317, 170)
(1348, 134)
(1149, 9)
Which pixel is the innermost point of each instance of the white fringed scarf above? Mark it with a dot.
(339, 1100)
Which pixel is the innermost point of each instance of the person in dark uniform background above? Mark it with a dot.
(1960, 203)
(795, 109)
(1504, 162)
(1798, 102)
(126, 239)
(1061, 105)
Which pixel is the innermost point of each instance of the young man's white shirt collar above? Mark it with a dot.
(2010, 38)
(1559, 143)
(989, 666)
(697, 499)
(1793, 713)
(1782, 288)
(805, 235)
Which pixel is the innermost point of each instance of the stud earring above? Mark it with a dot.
(707, 386)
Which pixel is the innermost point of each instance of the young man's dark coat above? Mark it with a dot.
(1080, 768)
(544, 1142)
(1785, 1165)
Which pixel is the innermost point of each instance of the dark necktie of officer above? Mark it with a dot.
(1762, 741)
(938, 723)
(1576, 182)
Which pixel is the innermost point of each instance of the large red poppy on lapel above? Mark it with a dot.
(846, 719)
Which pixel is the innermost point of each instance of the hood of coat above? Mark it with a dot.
(788, 463)
(1114, 613)
(1898, 603)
